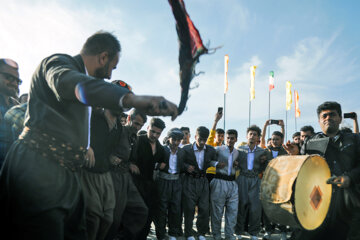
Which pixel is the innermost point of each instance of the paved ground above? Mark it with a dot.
(275, 236)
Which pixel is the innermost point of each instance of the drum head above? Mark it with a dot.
(312, 194)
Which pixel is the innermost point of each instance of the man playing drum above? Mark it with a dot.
(342, 153)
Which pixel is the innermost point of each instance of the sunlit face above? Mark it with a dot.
(200, 141)
(9, 81)
(329, 121)
(276, 141)
(231, 140)
(109, 65)
(253, 137)
(153, 133)
(219, 137)
(137, 123)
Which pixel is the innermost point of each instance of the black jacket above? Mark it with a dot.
(180, 159)
(190, 158)
(59, 94)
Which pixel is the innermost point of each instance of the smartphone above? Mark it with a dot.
(274, 121)
(220, 109)
(350, 115)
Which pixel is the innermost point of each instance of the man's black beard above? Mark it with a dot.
(102, 72)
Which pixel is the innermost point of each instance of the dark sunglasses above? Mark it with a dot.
(11, 78)
(9, 62)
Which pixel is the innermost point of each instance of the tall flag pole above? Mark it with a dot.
(297, 110)
(226, 83)
(271, 87)
(288, 103)
(252, 89)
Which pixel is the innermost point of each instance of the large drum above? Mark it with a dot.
(294, 191)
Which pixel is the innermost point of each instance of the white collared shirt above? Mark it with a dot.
(173, 163)
(89, 110)
(230, 160)
(199, 156)
(251, 158)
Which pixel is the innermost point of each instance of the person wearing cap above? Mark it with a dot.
(130, 212)
(169, 187)
(224, 189)
(47, 202)
(198, 157)
(9, 88)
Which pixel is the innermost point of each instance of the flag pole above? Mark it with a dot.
(224, 109)
(269, 115)
(249, 112)
(286, 133)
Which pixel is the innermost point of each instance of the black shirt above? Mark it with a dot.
(145, 159)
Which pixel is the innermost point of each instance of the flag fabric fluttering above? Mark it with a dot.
(252, 82)
(297, 110)
(288, 95)
(191, 48)
(226, 83)
(271, 80)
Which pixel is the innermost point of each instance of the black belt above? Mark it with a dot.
(196, 175)
(66, 154)
(250, 174)
(225, 177)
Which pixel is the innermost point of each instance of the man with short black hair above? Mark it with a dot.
(224, 189)
(253, 160)
(9, 88)
(53, 145)
(198, 157)
(186, 139)
(306, 132)
(341, 151)
(150, 155)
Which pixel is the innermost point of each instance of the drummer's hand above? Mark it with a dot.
(134, 169)
(151, 105)
(90, 158)
(342, 181)
(291, 148)
(162, 166)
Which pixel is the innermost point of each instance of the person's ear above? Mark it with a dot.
(103, 58)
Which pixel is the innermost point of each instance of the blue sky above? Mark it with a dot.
(313, 44)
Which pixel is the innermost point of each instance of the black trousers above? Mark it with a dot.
(196, 192)
(148, 192)
(39, 199)
(169, 208)
(130, 212)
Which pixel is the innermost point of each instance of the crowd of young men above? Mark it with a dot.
(81, 169)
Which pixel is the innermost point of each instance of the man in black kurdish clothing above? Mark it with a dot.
(169, 187)
(130, 210)
(149, 154)
(198, 157)
(95, 177)
(40, 193)
(342, 153)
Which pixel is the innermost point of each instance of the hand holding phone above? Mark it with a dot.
(272, 121)
(220, 109)
(351, 115)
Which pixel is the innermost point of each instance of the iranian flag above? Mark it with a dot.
(271, 80)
